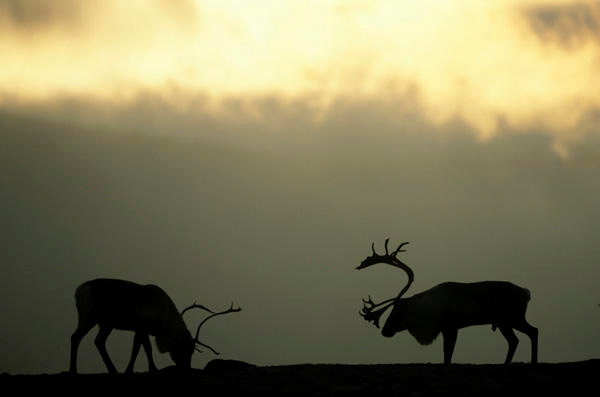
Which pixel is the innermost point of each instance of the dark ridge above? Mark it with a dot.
(223, 376)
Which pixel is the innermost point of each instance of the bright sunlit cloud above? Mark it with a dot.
(527, 64)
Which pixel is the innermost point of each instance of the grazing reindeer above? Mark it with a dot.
(146, 310)
(449, 306)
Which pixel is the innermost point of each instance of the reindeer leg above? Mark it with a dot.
(512, 340)
(80, 332)
(100, 343)
(449, 336)
(148, 350)
(134, 352)
(532, 333)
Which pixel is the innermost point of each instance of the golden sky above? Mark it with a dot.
(526, 64)
(251, 151)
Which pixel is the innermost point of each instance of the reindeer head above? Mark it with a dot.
(182, 353)
(372, 311)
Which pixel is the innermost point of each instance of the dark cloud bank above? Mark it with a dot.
(33, 14)
(275, 213)
(568, 25)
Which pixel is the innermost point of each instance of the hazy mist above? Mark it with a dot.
(275, 216)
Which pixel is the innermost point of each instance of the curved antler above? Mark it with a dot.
(369, 311)
(196, 340)
(371, 315)
(195, 306)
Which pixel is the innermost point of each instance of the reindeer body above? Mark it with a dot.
(457, 305)
(126, 305)
(450, 306)
(144, 309)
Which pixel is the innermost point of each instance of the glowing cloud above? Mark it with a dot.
(526, 64)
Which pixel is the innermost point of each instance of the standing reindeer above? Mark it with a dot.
(450, 306)
(146, 310)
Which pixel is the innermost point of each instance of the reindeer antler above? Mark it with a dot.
(196, 340)
(399, 249)
(372, 311)
(371, 315)
(388, 258)
(196, 306)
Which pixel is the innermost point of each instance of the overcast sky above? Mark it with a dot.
(252, 153)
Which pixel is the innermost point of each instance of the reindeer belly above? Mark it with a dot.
(474, 305)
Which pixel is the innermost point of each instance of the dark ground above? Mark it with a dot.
(330, 379)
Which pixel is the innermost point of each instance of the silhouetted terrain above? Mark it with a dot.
(331, 379)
